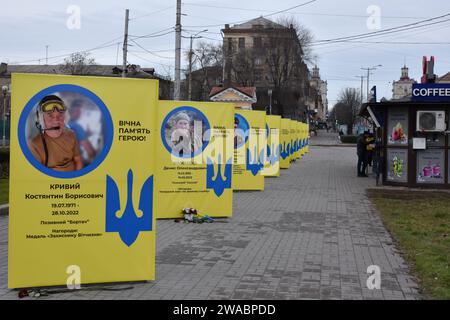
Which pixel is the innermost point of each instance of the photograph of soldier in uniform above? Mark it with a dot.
(55, 146)
(65, 131)
(184, 132)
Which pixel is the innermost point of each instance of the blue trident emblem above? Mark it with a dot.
(255, 165)
(285, 150)
(273, 155)
(218, 184)
(129, 225)
(292, 147)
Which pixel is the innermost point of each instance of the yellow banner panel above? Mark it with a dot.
(250, 149)
(195, 158)
(272, 162)
(285, 138)
(81, 184)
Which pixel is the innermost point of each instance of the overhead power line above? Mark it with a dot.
(150, 52)
(152, 13)
(410, 26)
(101, 46)
(300, 13)
(160, 33)
(267, 15)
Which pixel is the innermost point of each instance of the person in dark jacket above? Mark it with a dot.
(361, 150)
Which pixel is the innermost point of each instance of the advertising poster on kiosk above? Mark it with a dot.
(272, 163)
(397, 126)
(431, 166)
(397, 165)
(285, 141)
(249, 149)
(195, 158)
(82, 178)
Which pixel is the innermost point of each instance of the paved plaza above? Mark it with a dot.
(310, 235)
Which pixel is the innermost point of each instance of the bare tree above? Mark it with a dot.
(347, 108)
(78, 63)
(243, 67)
(304, 36)
(206, 59)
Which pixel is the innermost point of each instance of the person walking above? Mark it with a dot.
(361, 151)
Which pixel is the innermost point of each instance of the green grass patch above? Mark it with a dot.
(420, 223)
(4, 191)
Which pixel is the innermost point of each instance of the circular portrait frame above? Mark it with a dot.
(29, 108)
(205, 139)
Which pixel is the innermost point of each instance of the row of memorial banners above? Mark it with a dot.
(140, 159)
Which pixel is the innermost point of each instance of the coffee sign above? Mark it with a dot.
(431, 92)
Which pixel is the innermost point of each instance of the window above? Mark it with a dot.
(241, 43)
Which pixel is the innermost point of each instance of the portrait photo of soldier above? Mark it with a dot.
(55, 145)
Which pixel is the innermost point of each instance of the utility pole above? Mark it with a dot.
(190, 71)
(362, 85)
(125, 44)
(46, 54)
(177, 83)
(368, 77)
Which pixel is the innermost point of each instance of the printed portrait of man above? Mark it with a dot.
(183, 139)
(55, 146)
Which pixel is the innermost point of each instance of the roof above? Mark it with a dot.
(238, 94)
(134, 71)
(248, 91)
(261, 21)
(444, 78)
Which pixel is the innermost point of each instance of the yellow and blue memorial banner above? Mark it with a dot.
(296, 140)
(299, 139)
(293, 134)
(285, 141)
(249, 149)
(307, 138)
(272, 163)
(195, 158)
(81, 183)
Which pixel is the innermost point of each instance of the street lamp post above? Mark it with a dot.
(5, 91)
(270, 100)
(368, 77)
(190, 63)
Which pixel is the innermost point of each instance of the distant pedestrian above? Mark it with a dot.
(361, 150)
(370, 148)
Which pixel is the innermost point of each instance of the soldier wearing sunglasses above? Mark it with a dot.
(55, 146)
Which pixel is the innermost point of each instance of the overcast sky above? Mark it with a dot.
(26, 27)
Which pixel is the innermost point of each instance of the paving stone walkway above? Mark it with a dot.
(310, 235)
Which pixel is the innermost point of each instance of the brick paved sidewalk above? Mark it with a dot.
(310, 235)
(325, 138)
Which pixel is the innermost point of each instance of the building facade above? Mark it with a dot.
(403, 87)
(320, 87)
(269, 56)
